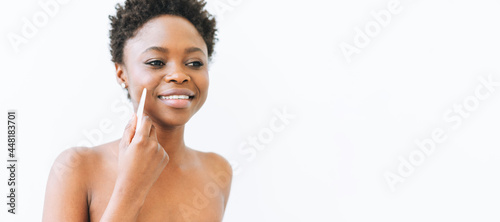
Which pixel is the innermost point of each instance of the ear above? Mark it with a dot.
(121, 77)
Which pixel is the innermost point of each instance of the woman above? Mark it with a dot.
(150, 175)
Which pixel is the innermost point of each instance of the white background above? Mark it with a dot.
(353, 120)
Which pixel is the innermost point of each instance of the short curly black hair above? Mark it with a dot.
(135, 13)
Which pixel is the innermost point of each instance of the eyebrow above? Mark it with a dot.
(156, 48)
(193, 49)
(165, 50)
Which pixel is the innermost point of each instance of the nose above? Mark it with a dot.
(177, 77)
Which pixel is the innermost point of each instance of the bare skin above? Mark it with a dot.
(150, 175)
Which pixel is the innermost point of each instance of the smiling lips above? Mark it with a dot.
(177, 98)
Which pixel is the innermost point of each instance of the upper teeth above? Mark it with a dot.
(175, 97)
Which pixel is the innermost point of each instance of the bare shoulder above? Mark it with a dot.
(74, 154)
(215, 161)
(72, 161)
(219, 170)
(67, 185)
(77, 163)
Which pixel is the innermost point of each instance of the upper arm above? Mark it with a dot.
(66, 191)
(229, 171)
(222, 174)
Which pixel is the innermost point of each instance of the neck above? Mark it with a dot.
(171, 138)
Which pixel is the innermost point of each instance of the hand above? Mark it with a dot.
(141, 159)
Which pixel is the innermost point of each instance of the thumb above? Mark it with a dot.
(129, 132)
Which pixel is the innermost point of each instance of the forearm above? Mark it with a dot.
(124, 205)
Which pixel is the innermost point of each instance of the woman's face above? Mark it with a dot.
(166, 53)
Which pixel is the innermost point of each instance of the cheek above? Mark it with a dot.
(202, 83)
(144, 77)
(140, 79)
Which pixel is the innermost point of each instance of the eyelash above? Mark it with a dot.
(155, 64)
(198, 66)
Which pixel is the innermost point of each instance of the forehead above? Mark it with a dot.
(168, 31)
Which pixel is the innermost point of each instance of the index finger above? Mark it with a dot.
(144, 130)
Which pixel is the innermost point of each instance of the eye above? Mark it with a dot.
(195, 64)
(156, 63)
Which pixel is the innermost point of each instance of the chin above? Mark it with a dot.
(169, 120)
